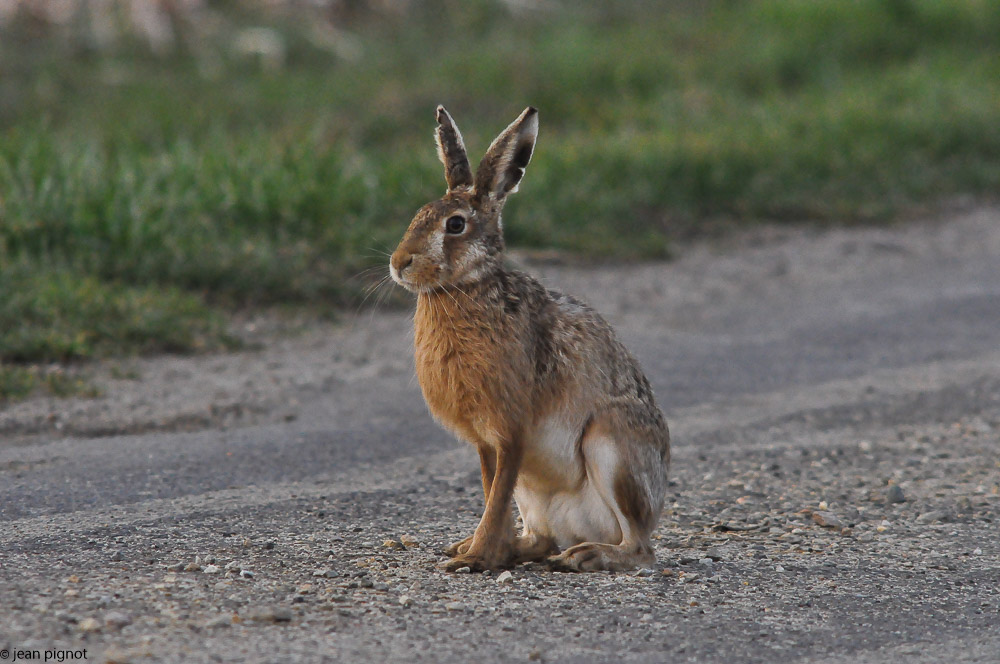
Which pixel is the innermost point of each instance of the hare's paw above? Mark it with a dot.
(594, 556)
(477, 563)
(580, 558)
(459, 547)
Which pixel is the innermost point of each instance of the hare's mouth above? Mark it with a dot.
(404, 282)
(415, 280)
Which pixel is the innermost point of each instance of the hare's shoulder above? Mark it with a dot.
(573, 337)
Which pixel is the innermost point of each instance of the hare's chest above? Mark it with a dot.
(459, 386)
(469, 370)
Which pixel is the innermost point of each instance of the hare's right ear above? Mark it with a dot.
(502, 168)
(451, 152)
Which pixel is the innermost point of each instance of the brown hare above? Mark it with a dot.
(562, 416)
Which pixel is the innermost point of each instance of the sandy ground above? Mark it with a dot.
(805, 374)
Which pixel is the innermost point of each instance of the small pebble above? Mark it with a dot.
(505, 578)
(246, 574)
(117, 619)
(977, 551)
(221, 621)
(117, 556)
(212, 569)
(409, 540)
(192, 567)
(274, 615)
(827, 520)
(404, 600)
(894, 494)
(392, 544)
(88, 625)
(464, 570)
(932, 517)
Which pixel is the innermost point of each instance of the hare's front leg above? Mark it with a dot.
(488, 466)
(492, 545)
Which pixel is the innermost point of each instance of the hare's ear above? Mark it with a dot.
(451, 151)
(503, 166)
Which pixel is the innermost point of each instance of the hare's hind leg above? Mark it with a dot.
(626, 455)
(531, 547)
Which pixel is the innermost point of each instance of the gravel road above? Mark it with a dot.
(834, 399)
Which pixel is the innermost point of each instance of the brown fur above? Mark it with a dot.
(458, 173)
(632, 501)
(535, 380)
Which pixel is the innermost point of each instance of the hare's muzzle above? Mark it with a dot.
(401, 259)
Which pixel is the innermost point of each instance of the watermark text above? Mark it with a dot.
(50, 655)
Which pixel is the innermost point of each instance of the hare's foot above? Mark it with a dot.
(459, 547)
(594, 556)
(479, 563)
(531, 548)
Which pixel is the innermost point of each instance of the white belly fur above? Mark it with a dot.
(559, 494)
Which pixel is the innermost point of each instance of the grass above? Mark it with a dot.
(17, 382)
(62, 317)
(139, 194)
(55, 318)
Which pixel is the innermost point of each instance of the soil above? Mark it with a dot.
(834, 400)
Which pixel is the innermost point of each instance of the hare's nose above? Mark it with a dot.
(401, 260)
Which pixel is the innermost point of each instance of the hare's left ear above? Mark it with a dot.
(501, 169)
(451, 151)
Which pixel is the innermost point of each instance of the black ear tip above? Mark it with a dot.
(531, 110)
(440, 114)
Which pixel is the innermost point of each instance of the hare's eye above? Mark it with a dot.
(455, 225)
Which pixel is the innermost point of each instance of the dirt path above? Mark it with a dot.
(804, 374)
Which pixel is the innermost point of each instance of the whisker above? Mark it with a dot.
(467, 296)
(368, 293)
(368, 270)
(453, 299)
(380, 282)
(378, 302)
(380, 252)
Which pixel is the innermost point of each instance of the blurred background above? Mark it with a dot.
(166, 163)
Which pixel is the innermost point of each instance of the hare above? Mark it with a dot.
(561, 414)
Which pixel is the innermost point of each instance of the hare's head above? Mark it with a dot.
(459, 238)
